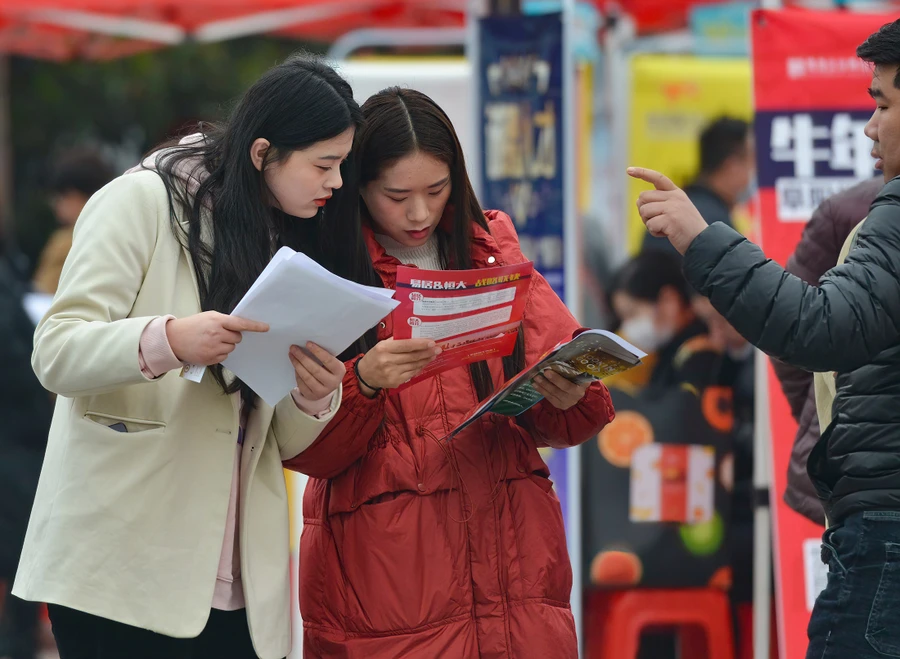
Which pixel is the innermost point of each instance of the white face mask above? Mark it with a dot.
(642, 332)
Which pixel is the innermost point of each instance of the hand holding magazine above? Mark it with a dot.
(592, 355)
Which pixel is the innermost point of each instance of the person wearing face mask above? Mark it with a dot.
(652, 302)
(160, 525)
(415, 545)
(726, 179)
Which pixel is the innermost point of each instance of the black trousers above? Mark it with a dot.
(83, 636)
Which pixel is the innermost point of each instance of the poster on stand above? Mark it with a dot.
(521, 82)
(521, 95)
(672, 99)
(812, 105)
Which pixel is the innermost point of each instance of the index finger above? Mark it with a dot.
(656, 179)
(408, 345)
(238, 324)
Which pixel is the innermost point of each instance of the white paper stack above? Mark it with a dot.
(301, 301)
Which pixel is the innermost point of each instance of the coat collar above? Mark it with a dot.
(485, 250)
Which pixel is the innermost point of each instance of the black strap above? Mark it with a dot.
(359, 377)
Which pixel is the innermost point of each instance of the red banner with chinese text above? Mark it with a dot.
(811, 108)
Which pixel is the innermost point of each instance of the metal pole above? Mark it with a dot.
(762, 515)
(572, 269)
(473, 55)
(618, 101)
(348, 43)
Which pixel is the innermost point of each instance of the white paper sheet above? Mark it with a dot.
(301, 301)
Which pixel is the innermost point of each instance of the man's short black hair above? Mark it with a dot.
(81, 169)
(883, 48)
(723, 138)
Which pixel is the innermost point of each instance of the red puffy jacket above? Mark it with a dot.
(416, 549)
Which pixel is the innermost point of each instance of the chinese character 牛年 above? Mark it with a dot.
(794, 140)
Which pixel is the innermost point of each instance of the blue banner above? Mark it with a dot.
(521, 82)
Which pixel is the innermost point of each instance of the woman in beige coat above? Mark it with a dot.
(160, 526)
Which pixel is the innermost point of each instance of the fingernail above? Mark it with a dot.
(437, 351)
(432, 344)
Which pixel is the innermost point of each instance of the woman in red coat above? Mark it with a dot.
(412, 546)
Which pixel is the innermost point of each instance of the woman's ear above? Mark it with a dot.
(258, 151)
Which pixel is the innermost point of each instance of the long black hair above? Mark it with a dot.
(402, 122)
(294, 105)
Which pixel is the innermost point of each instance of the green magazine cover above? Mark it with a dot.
(591, 355)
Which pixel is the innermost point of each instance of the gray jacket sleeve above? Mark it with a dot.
(839, 326)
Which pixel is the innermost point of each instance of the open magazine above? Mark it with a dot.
(592, 355)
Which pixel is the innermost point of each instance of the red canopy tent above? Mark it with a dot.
(107, 29)
(104, 29)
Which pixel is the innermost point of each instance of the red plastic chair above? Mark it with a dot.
(616, 620)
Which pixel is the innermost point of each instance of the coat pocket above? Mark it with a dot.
(540, 540)
(882, 632)
(122, 424)
(403, 561)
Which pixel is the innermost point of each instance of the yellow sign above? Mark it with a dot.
(672, 99)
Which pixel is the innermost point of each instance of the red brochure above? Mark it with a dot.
(471, 314)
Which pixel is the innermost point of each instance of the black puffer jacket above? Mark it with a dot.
(849, 324)
(815, 254)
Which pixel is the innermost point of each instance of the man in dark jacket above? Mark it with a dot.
(817, 253)
(727, 165)
(849, 325)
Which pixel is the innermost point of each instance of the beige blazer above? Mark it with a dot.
(129, 526)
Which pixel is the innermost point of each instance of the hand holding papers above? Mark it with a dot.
(301, 302)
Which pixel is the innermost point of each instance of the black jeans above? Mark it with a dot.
(83, 636)
(857, 615)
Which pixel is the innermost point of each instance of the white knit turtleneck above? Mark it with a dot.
(426, 257)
